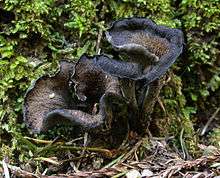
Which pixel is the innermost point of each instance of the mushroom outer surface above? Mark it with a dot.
(153, 48)
(46, 94)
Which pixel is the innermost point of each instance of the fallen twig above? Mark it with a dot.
(104, 152)
(17, 171)
(115, 161)
(137, 145)
(204, 160)
(39, 141)
(209, 122)
(49, 160)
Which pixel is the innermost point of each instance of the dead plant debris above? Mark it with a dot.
(156, 160)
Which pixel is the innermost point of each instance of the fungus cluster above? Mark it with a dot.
(100, 93)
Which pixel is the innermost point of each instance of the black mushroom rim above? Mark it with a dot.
(49, 100)
(47, 94)
(150, 49)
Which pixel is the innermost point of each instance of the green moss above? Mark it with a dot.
(5, 151)
(215, 137)
(176, 116)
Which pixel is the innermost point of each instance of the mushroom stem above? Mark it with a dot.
(128, 90)
(150, 98)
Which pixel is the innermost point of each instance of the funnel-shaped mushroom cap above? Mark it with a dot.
(91, 82)
(118, 68)
(47, 94)
(92, 121)
(154, 48)
(49, 101)
(98, 95)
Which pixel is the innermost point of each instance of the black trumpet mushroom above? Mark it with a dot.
(47, 94)
(49, 100)
(147, 51)
(150, 49)
(109, 93)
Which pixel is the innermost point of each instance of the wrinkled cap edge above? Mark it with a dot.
(30, 90)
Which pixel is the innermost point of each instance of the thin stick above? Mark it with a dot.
(209, 121)
(104, 152)
(137, 145)
(120, 174)
(39, 141)
(114, 161)
(161, 104)
(49, 160)
(17, 171)
(83, 152)
(98, 41)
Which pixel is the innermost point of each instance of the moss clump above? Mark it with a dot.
(215, 137)
(172, 116)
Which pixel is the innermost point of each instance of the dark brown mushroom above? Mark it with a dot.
(91, 82)
(49, 101)
(98, 93)
(107, 89)
(47, 94)
(146, 52)
(150, 49)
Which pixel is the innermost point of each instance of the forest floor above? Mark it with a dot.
(138, 157)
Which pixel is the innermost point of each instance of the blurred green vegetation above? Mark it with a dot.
(35, 35)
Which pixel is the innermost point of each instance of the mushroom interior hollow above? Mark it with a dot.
(154, 44)
(90, 85)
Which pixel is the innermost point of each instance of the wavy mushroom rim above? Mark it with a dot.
(165, 31)
(118, 68)
(85, 121)
(174, 36)
(53, 116)
(34, 85)
(80, 76)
